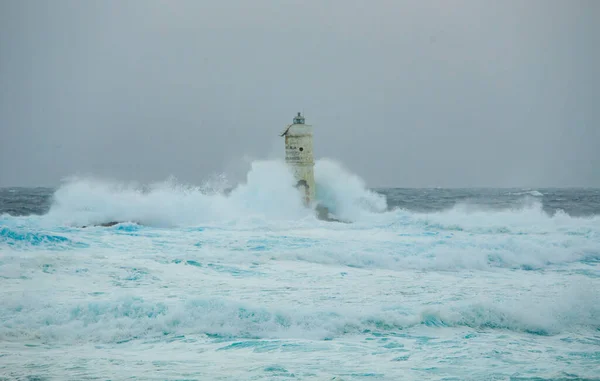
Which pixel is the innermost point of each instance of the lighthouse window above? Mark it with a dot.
(301, 149)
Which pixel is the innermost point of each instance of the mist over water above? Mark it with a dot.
(243, 281)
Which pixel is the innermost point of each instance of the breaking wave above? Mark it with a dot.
(533, 193)
(345, 194)
(268, 193)
(132, 318)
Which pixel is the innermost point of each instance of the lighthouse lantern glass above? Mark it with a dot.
(299, 119)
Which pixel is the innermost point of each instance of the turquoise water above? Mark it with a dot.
(247, 284)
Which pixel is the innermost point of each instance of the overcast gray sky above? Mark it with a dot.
(403, 93)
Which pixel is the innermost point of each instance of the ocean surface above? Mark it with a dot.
(211, 282)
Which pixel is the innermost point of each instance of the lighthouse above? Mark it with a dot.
(299, 156)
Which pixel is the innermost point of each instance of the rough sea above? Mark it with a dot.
(210, 283)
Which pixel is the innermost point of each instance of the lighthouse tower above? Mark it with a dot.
(299, 156)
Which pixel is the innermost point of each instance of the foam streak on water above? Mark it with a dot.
(248, 284)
